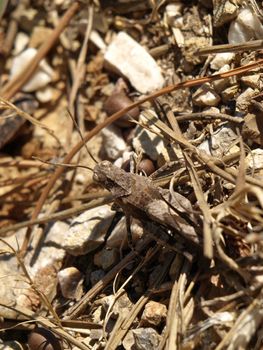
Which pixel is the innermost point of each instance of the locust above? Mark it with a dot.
(166, 216)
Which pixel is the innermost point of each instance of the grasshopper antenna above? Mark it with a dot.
(62, 164)
(81, 136)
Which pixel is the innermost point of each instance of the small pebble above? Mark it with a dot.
(21, 42)
(43, 339)
(253, 80)
(70, 281)
(206, 96)
(141, 339)
(41, 78)
(154, 313)
(45, 95)
(221, 59)
(254, 159)
(243, 100)
(114, 145)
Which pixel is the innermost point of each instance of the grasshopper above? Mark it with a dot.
(159, 211)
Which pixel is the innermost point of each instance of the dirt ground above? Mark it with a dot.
(131, 193)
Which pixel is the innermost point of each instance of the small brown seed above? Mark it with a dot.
(146, 165)
(118, 101)
(42, 338)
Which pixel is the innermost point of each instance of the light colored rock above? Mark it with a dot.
(206, 96)
(39, 35)
(41, 78)
(117, 306)
(254, 159)
(221, 59)
(106, 258)
(70, 281)
(173, 15)
(229, 12)
(253, 80)
(229, 93)
(245, 27)
(130, 59)
(15, 291)
(97, 40)
(141, 339)
(150, 143)
(154, 313)
(222, 84)
(21, 42)
(45, 94)
(178, 36)
(113, 142)
(118, 237)
(220, 142)
(243, 100)
(88, 230)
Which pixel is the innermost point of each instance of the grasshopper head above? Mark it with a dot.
(102, 171)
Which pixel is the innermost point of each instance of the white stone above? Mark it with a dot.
(21, 42)
(130, 59)
(206, 96)
(97, 40)
(45, 94)
(113, 142)
(173, 13)
(87, 231)
(254, 159)
(41, 78)
(245, 27)
(221, 59)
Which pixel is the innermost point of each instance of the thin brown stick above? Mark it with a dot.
(119, 114)
(248, 45)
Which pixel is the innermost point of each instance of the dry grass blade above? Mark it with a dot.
(247, 46)
(122, 327)
(245, 326)
(208, 219)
